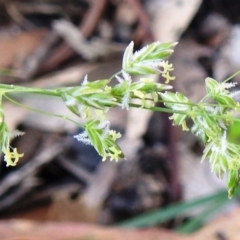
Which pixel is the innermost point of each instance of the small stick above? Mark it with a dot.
(144, 30)
(63, 52)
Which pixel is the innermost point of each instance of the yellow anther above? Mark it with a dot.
(11, 158)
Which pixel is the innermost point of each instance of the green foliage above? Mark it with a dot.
(211, 117)
(210, 123)
(209, 205)
(234, 133)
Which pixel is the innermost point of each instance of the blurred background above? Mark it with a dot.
(61, 188)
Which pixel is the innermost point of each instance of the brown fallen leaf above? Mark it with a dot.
(27, 230)
(226, 227)
(15, 48)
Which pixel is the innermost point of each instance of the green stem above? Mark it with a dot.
(15, 89)
(156, 109)
(199, 104)
(113, 76)
(42, 112)
(55, 92)
(189, 113)
(235, 74)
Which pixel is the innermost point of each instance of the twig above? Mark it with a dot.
(33, 62)
(13, 11)
(98, 188)
(70, 76)
(144, 30)
(25, 186)
(89, 50)
(75, 170)
(18, 176)
(92, 17)
(174, 191)
(89, 23)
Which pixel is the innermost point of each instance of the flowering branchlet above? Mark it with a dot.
(149, 60)
(10, 157)
(98, 134)
(211, 117)
(210, 123)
